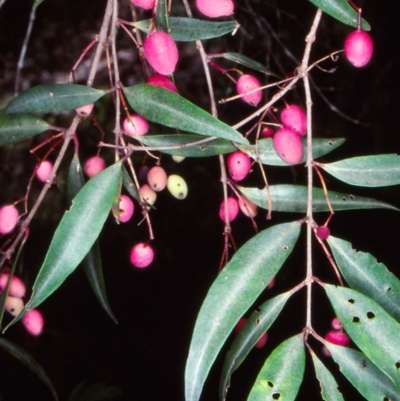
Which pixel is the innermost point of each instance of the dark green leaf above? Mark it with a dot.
(293, 198)
(364, 274)
(129, 185)
(161, 13)
(342, 11)
(16, 127)
(234, 291)
(282, 373)
(373, 330)
(184, 29)
(266, 154)
(30, 362)
(257, 324)
(53, 97)
(172, 110)
(247, 62)
(37, 3)
(367, 171)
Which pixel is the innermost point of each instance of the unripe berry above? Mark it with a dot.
(338, 338)
(233, 209)
(163, 82)
(288, 146)
(126, 208)
(85, 110)
(137, 125)
(267, 132)
(142, 255)
(14, 305)
(247, 83)
(94, 166)
(17, 287)
(336, 324)
(145, 4)
(247, 207)
(323, 232)
(161, 52)
(157, 178)
(293, 117)
(44, 170)
(148, 194)
(177, 186)
(215, 8)
(33, 322)
(239, 165)
(358, 48)
(8, 218)
(178, 159)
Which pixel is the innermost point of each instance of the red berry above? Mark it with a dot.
(126, 208)
(94, 166)
(323, 232)
(33, 322)
(233, 209)
(239, 165)
(157, 178)
(338, 338)
(161, 52)
(267, 132)
(358, 48)
(293, 117)
(142, 255)
(288, 146)
(85, 110)
(245, 84)
(44, 170)
(137, 125)
(163, 82)
(336, 324)
(242, 321)
(145, 4)
(17, 287)
(215, 8)
(261, 341)
(8, 218)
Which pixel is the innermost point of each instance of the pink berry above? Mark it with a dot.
(358, 48)
(161, 52)
(242, 321)
(44, 170)
(85, 110)
(247, 83)
(233, 209)
(142, 255)
(271, 283)
(247, 207)
(267, 132)
(148, 194)
(137, 125)
(215, 8)
(14, 305)
(336, 324)
(94, 166)
(163, 82)
(293, 117)
(261, 341)
(145, 4)
(8, 218)
(288, 146)
(338, 338)
(157, 178)
(239, 165)
(17, 287)
(126, 208)
(33, 322)
(323, 232)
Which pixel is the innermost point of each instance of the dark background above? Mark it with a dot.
(144, 355)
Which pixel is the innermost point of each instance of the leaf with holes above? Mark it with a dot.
(282, 373)
(364, 274)
(235, 289)
(374, 331)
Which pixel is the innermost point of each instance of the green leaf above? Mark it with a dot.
(371, 383)
(329, 387)
(53, 97)
(266, 154)
(161, 14)
(172, 110)
(234, 291)
(257, 324)
(342, 11)
(37, 3)
(95, 392)
(282, 373)
(205, 149)
(247, 62)
(293, 198)
(183, 29)
(17, 127)
(367, 171)
(30, 362)
(129, 185)
(364, 274)
(373, 330)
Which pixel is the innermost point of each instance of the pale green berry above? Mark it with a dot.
(177, 186)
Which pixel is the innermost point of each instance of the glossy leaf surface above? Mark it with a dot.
(247, 62)
(282, 373)
(162, 106)
(53, 97)
(234, 291)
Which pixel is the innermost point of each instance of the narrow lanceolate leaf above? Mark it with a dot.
(172, 110)
(17, 127)
(232, 293)
(329, 387)
(282, 373)
(183, 29)
(53, 97)
(129, 184)
(257, 324)
(30, 362)
(76, 233)
(364, 274)
(371, 382)
(372, 329)
(367, 171)
(185, 142)
(293, 198)
(247, 62)
(342, 11)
